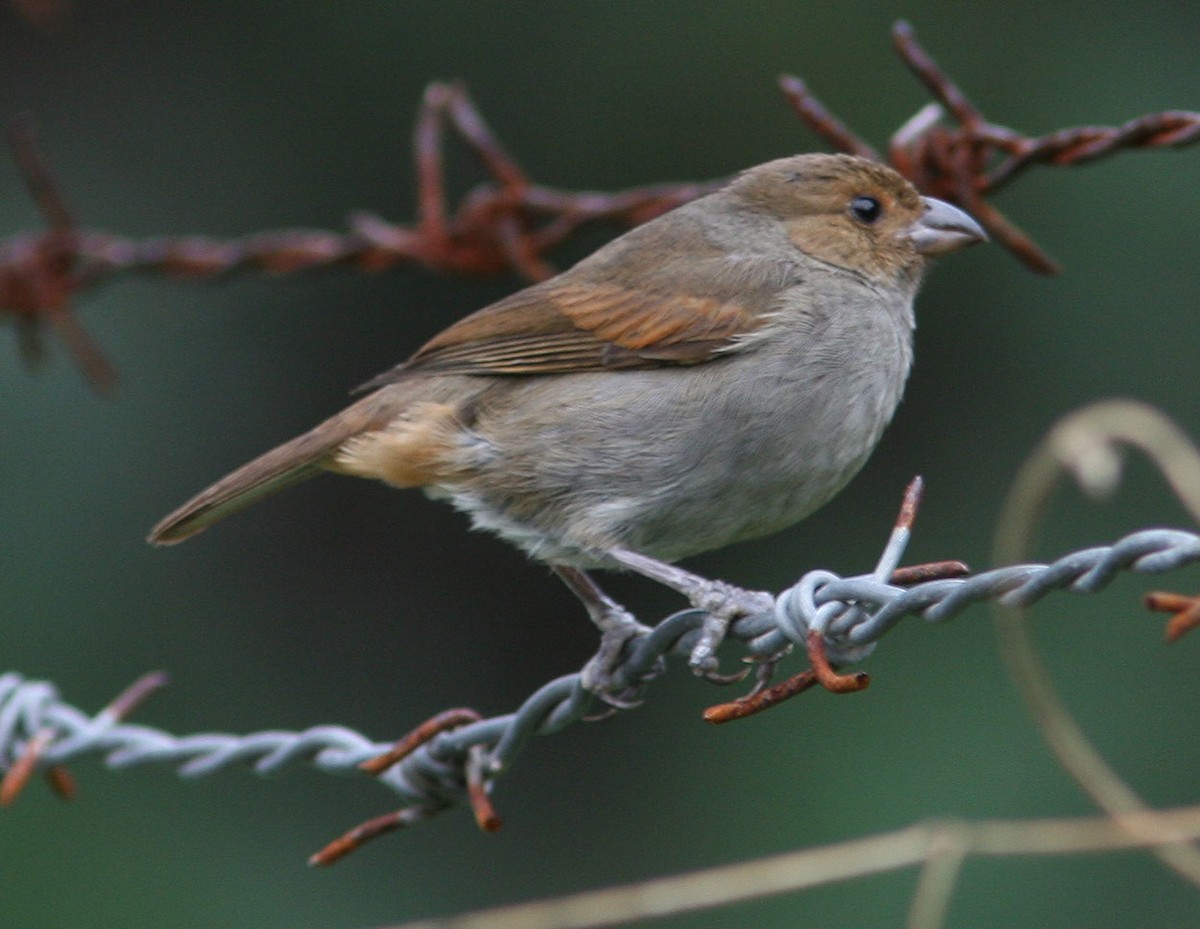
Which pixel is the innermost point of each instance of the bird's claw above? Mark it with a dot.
(723, 603)
(602, 676)
(724, 680)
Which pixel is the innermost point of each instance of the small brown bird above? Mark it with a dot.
(711, 376)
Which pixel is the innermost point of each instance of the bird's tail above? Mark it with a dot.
(301, 458)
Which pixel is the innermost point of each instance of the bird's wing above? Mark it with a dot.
(585, 327)
(654, 311)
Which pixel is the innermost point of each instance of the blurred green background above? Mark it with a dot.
(344, 602)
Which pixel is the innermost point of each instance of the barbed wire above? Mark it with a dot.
(459, 755)
(511, 222)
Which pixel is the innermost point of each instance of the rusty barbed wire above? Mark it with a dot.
(459, 755)
(39, 274)
(511, 222)
(972, 160)
(506, 223)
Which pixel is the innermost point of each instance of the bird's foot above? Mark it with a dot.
(602, 675)
(618, 628)
(721, 601)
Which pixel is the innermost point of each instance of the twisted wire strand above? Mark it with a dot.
(852, 613)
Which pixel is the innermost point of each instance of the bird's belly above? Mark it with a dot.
(652, 469)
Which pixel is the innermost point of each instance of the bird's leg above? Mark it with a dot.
(721, 601)
(616, 624)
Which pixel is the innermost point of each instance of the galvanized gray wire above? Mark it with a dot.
(852, 613)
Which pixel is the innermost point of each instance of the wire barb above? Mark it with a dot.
(17, 776)
(27, 759)
(362, 834)
(39, 273)
(1186, 612)
(442, 722)
(825, 675)
(478, 785)
(763, 699)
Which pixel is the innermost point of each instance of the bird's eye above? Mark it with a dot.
(866, 209)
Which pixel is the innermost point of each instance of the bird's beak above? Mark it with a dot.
(944, 228)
